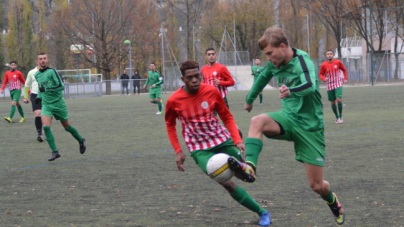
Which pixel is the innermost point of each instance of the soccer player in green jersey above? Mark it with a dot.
(300, 120)
(155, 80)
(256, 70)
(50, 87)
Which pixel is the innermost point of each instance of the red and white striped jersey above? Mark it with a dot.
(332, 71)
(14, 79)
(220, 72)
(200, 128)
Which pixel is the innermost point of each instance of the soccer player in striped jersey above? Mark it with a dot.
(31, 83)
(300, 120)
(256, 70)
(330, 72)
(194, 105)
(14, 78)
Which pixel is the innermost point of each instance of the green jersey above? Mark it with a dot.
(256, 70)
(154, 78)
(52, 82)
(304, 105)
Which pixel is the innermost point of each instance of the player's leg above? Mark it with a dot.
(159, 100)
(36, 108)
(332, 98)
(46, 123)
(260, 95)
(62, 115)
(338, 94)
(13, 107)
(16, 99)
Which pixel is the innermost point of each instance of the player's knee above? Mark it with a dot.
(229, 185)
(316, 187)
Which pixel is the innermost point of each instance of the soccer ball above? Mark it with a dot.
(218, 169)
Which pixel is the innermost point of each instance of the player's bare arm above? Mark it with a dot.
(180, 159)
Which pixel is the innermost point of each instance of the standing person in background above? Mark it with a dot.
(32, 84)
(256, 70)
(155, 80)
(15, 79)
(125, 82)
(50, 95)
(136, 82)
(330, 72)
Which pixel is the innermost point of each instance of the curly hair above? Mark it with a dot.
(189, 64)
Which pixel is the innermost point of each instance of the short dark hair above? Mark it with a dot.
(329, 51)
(41, 53)
(15, 62)
(153, 63)
(210, 48)
(189, 64)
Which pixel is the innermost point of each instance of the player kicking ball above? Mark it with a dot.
(50, 95)
(300, 120)
(194, 105)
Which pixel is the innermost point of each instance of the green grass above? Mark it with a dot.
(128, 175)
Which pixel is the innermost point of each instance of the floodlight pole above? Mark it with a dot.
(130, 57)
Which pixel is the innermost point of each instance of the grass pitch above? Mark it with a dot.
(128, 175)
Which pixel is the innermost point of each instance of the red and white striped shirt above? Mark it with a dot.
(332, 71)
(220, 72)
(14, 78)
(200, 128)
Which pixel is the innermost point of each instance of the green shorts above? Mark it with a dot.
(309, 145)
(15, 95)
(334, 94)
(201, 157)
(155, 93)
(57, 110)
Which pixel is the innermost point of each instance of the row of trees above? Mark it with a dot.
(192, 26)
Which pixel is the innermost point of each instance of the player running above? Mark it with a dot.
(193, 105)
(155, 80)
(330, 72)
(31, 83)
(256, 70)
(50, 87)
(300, 120)
(14, 78)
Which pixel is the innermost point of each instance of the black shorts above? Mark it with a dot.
(34, 105)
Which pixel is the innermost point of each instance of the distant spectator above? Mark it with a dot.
(136, 82)
(125, 81)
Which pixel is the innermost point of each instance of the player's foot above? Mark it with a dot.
(83, 146)
(341, 120)
(40, 138)
(161, 101)
(8, 120)
(260, 104)
(158, 113)
(337, 211)
(54, 156)
(22, 119)
(242, 171)
(337, 121)
(265, 219)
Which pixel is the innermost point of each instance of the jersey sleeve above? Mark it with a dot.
(171, 121)
(307, 78)
(5, 81)
(322, 72)
(262, 81)
(227, 118)
(58, 82)
(161, 80)
(343, 69)
(228, 80)
(147, 80)
(21, 77)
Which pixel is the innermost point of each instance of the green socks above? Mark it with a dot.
(260, 95)
(334, 109)
(329, 198)
(12, 111)
(241, 196)
(253, 148)
(340, 109)
(21, 111)
(74, 133)
(160, 106)
(50, 139)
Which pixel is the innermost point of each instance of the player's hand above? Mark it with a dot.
(153, 85)
(248, 107)
(38, 101)
(345, 81)
(180, 159)
(284, 92)
(144, 86)
(42, 89)
(25, 101)
(326, 79)
(217, 82)
(241, 148)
